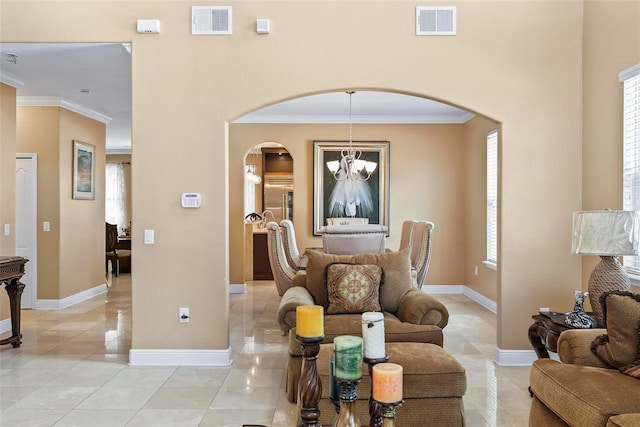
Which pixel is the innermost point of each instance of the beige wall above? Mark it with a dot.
(611, 44)
(475, 209)
(426, 182)
(523, 70)
(7, 179)
(77, 226)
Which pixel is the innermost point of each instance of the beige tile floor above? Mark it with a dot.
(71, 369)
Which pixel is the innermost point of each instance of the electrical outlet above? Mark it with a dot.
(184, 315)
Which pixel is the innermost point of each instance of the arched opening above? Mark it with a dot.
(437, 171)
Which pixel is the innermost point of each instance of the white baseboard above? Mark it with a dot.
(59, 304)
(487, 303)
(442, 289)
(517, 357)
(179, 357)
(5, 325)
(237, 288)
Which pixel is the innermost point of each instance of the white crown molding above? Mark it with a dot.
(179, 357)
(54, 101)
(461, 118)
(11, 80)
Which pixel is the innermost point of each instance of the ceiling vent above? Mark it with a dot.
(435, 21)
(211, 20)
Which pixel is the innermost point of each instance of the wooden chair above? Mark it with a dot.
(112, 253)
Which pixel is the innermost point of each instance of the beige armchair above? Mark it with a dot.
(353, 239)
(294, 258)
(283, 273)
(421, 250)
(410, 315)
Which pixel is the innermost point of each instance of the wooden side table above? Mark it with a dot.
(545, 330)
(11, 270)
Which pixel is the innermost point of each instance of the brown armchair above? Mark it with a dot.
(410, 315)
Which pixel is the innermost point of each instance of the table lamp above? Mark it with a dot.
(608, 234)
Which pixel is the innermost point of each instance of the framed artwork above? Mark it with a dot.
(84, 171)
(334, 198)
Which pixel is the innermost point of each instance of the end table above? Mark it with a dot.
(545, 330)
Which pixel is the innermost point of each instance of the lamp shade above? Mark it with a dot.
(606, 233)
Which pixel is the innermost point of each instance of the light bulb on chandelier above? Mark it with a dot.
(351, 166)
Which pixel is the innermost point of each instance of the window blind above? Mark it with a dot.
(631, 151)
(492, 196)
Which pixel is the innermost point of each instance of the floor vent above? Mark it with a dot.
(211, 20)
(435, 21)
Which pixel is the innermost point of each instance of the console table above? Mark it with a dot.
(545, 330)
(11, 270)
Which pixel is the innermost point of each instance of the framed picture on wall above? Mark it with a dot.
(336, 197)
(84, 170)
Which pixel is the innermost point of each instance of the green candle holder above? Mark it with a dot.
(309, 386)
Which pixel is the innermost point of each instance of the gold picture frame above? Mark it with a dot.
(84, 171)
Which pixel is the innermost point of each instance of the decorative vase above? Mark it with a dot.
(578, 318)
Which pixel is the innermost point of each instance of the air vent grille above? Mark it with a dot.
(211, 20)
(435, 21)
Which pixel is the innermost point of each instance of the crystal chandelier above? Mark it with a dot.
(351, 166)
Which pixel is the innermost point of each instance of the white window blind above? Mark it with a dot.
(115, 195)
(492, 197)
(631, 151)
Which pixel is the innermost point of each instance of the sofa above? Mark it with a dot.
(410, 315)
(597, 380)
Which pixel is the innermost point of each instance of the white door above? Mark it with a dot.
(26, 232)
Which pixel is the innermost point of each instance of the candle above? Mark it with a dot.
(348, 357)
(387, 383)
(309, 321)
(373, 334)
(334, 387)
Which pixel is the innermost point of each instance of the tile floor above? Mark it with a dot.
(71, 369)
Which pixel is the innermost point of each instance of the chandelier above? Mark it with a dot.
(351, 166)
(250, 171)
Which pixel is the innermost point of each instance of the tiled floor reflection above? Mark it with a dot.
(71, 369)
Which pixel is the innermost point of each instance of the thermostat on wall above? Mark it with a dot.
(191, 200)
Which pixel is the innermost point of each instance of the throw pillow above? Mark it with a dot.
(315, 273)
(397, 279)
(633, 369)
(353, 288)
(619, 346)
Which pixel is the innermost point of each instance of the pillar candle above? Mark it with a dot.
(387, 383)
(348, 357)
(309, 321)
(373, 334)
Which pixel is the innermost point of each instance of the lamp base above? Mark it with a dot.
(608, 275)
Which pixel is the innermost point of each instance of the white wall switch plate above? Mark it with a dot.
(46, 226)
(7, 229)
(149, 237)
(184, 315)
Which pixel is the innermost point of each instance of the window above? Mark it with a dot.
(115, 195)
(631, 151)
(492, 199)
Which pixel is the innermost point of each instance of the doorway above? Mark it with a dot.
(26, 232)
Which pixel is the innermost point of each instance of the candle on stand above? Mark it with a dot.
(348, 357)
(309, 321)
(387, 383)
(373, 334)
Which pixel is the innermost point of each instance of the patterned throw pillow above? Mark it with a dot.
(353, 288)
(619, 346)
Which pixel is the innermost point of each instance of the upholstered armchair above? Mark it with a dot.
(294, 258)
(283, 273)
(410, 315)
(353, 239)
(421, 250)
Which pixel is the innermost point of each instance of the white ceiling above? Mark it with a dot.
(57, 74)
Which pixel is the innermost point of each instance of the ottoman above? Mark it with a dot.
(433, 385)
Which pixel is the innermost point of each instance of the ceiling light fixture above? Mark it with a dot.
(351, 166)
